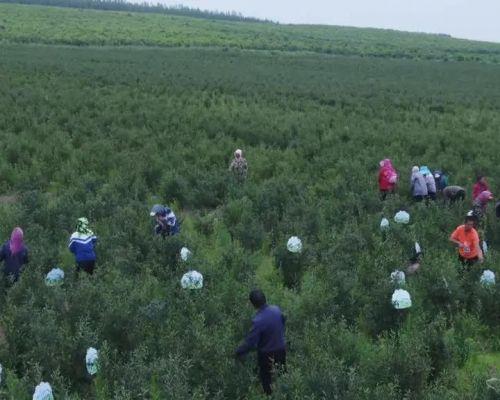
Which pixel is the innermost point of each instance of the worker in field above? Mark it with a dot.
(418, 185)
(82, 244)
(480, 186)
(467, 239)
(167, 223)
(441, 179)
(387, 178)
(14, 254)
(452, 194)
(239, 166)
(480, 204)
(268, 337)
(430, 182)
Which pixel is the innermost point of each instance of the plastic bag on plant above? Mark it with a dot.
(402, 217)
(185, 254)
(487, 278)
(418, 249)
(192, 280)
(398, 277)
(54, 277)
(43, 392)
(401, 299)
(493, 384)
(485, 247)
(384, 224)
(91, 361)
(294, 245)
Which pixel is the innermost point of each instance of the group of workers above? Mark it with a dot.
(267, 334)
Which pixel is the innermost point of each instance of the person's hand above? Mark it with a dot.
(481, 258)
(461, 245)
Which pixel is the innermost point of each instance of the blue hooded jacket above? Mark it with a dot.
(82, 246)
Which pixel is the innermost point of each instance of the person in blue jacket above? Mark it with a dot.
(82, 244)
(166, 222)
(14, 254)
(268, 337)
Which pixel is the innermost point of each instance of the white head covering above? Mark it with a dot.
(415, 169)
(238, 153)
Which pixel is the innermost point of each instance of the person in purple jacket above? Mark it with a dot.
(268, 337)
(14, 254)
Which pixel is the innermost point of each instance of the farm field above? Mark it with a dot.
(107, 131)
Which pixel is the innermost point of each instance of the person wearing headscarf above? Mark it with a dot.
(430, 182)
(480, 186)
(14, 254)
(387, 178)
(481, 203)
(418, 185)
(166, 221)
(82, 244)
(239, 166)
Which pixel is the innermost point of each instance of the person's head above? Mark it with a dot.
(424, 170)
(82, 225)
(158, 211)
(415, 169)
(257, 298)
(16, 240)
(238, 153)
(481, 179)
(470, 222)
(485, 196)
(385, 163)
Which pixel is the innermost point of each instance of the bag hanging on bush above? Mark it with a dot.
(398, 277)
(43, 392)
(401, 299)
(384, 224)
(487, 278)
(185, 254)
(402, 217)
(91, 361)
(485, 247)
(54, 277)
(192, 280)
(294, 245)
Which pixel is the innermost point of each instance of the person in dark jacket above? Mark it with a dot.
(166, 221)
(267, 336)
(14, 254)
(82, 244)
(452, 194)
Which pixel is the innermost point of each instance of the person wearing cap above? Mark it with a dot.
(453, 193)
(267, 336)
(166, 221)
(14, 254)
(82, 244)
(480, 186)
(239, 166)
(467, 239)
(430, 182)
(418, 185)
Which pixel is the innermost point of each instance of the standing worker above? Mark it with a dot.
(166, 221)
(418, 185)
(480, 186)
(239, 166)
(467, 240)
(14, 254)
(430, 182)
(81, 244)
(267, 336)
(387, 178)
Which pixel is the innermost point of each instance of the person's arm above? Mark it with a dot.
(453, 239)
(477, 245)
(26, 256)
(251, 341)
(72, 245)
(2, 253)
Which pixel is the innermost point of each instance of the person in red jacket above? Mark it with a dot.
(480, 186)
(387, 178)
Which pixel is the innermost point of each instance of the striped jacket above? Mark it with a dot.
(82, 246)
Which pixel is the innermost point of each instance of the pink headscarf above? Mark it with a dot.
(484, 197)
(386, 163)
(16, 243)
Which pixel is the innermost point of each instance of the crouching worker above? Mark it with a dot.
(467, 240)
(82, 244)
(452, 194)
(14, 254)
(268, 337)
(166, 222)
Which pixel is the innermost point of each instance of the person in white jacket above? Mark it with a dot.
(418, 185)
(430, 182)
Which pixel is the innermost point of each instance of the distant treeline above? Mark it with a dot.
(120, 5)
